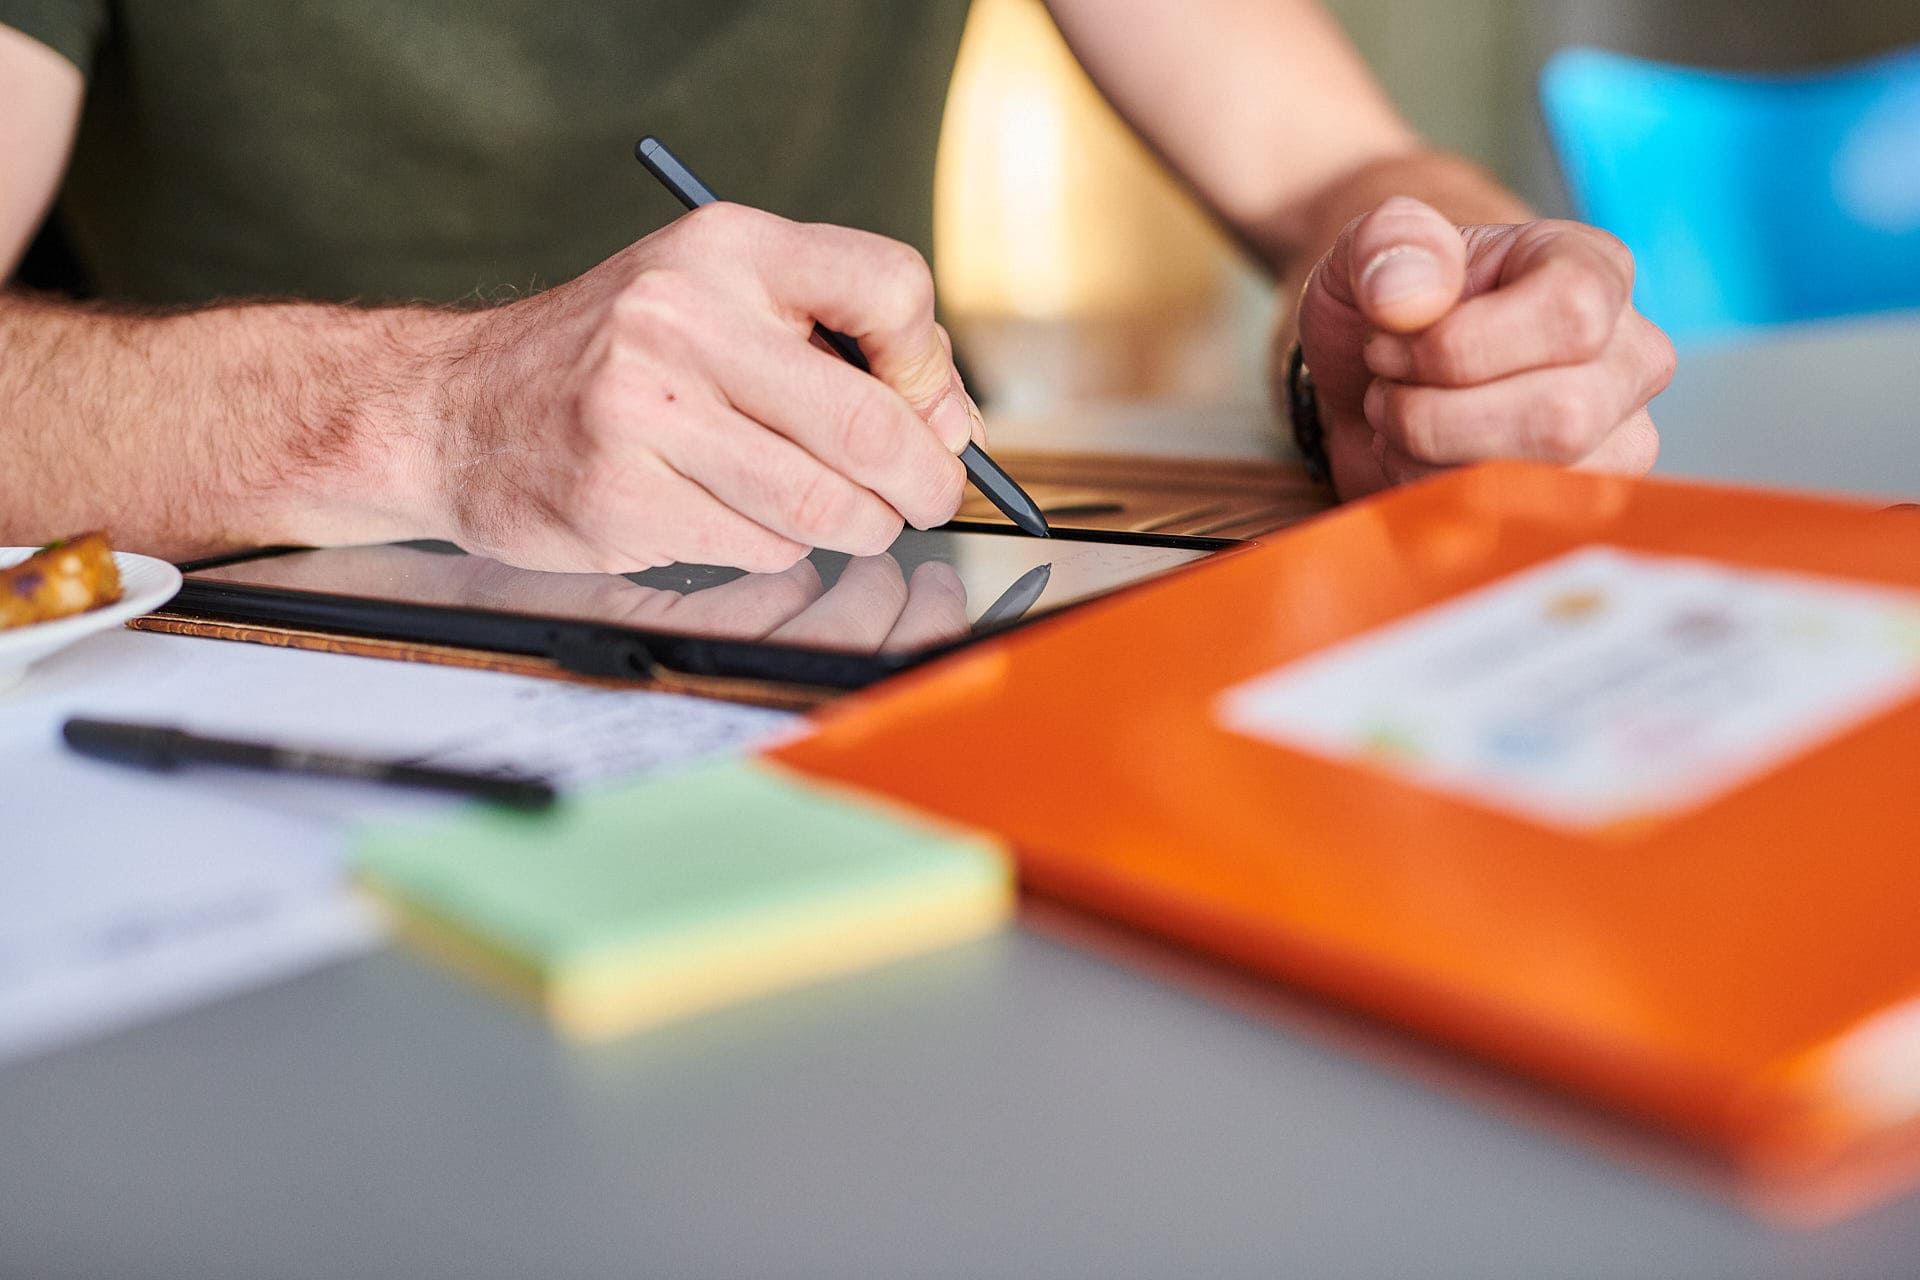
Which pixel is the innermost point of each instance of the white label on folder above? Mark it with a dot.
(1601, 686)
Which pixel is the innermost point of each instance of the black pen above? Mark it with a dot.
(985, 473)
(163, 748)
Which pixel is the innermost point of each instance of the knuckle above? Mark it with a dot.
(1614, 248)
(1665, 360)
(721, 222)
(1585, 316)
(867, 435)
(1563, 425)
(907, 281)
(821, 507)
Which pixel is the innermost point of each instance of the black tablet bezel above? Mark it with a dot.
(591, 648)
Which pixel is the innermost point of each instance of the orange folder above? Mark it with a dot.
(1741, 968)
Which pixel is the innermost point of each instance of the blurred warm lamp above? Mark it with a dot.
(1049, 214)
(1045, 205)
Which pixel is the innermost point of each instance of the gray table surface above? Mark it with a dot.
(1832, 406)
(1024, 1106)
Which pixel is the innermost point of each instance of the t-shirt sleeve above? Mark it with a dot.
(71, 28)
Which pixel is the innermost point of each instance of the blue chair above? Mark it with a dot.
(1748, 200)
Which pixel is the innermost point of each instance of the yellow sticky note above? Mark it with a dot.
(635, 905)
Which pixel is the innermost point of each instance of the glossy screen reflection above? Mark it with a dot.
(928, 590)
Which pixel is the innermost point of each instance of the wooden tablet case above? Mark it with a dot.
(787, 697)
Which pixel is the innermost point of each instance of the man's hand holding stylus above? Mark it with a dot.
(1433, 345)
(669, 405)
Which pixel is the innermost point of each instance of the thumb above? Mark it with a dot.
(924, 375)
(876, 291)
(1403, 266)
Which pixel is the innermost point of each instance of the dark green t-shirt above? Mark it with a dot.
(448, 149)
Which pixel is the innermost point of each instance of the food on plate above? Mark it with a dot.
(63, 578)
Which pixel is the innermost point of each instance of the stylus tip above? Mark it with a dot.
(1025, 514)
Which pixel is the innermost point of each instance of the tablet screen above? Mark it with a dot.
(930, 589)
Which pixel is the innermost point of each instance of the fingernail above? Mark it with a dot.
(951, 422)
(1388, 355)
(1375, 403)
(1399, 273)
(979, 432)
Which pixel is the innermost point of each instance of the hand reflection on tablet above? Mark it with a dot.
(872, 607)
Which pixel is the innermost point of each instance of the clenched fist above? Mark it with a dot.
(1433, 345)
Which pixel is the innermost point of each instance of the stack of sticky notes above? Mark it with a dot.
(642, 903)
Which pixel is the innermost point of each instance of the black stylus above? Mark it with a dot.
(982, 470)
(163, 748)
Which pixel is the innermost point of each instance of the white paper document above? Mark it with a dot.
(125, 894)
(1604, 686)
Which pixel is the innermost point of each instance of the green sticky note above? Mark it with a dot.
(630, 906)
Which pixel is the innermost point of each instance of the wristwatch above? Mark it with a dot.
(1303, 407)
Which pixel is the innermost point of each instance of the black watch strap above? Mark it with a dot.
(1303, 407)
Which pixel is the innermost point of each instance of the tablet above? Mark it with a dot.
(831, 621)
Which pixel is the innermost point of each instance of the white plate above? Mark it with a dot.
(145, 585)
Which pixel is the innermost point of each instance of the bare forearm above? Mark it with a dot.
(1269, 113)
(1260, 105)
(192, 433)
(667, 405)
